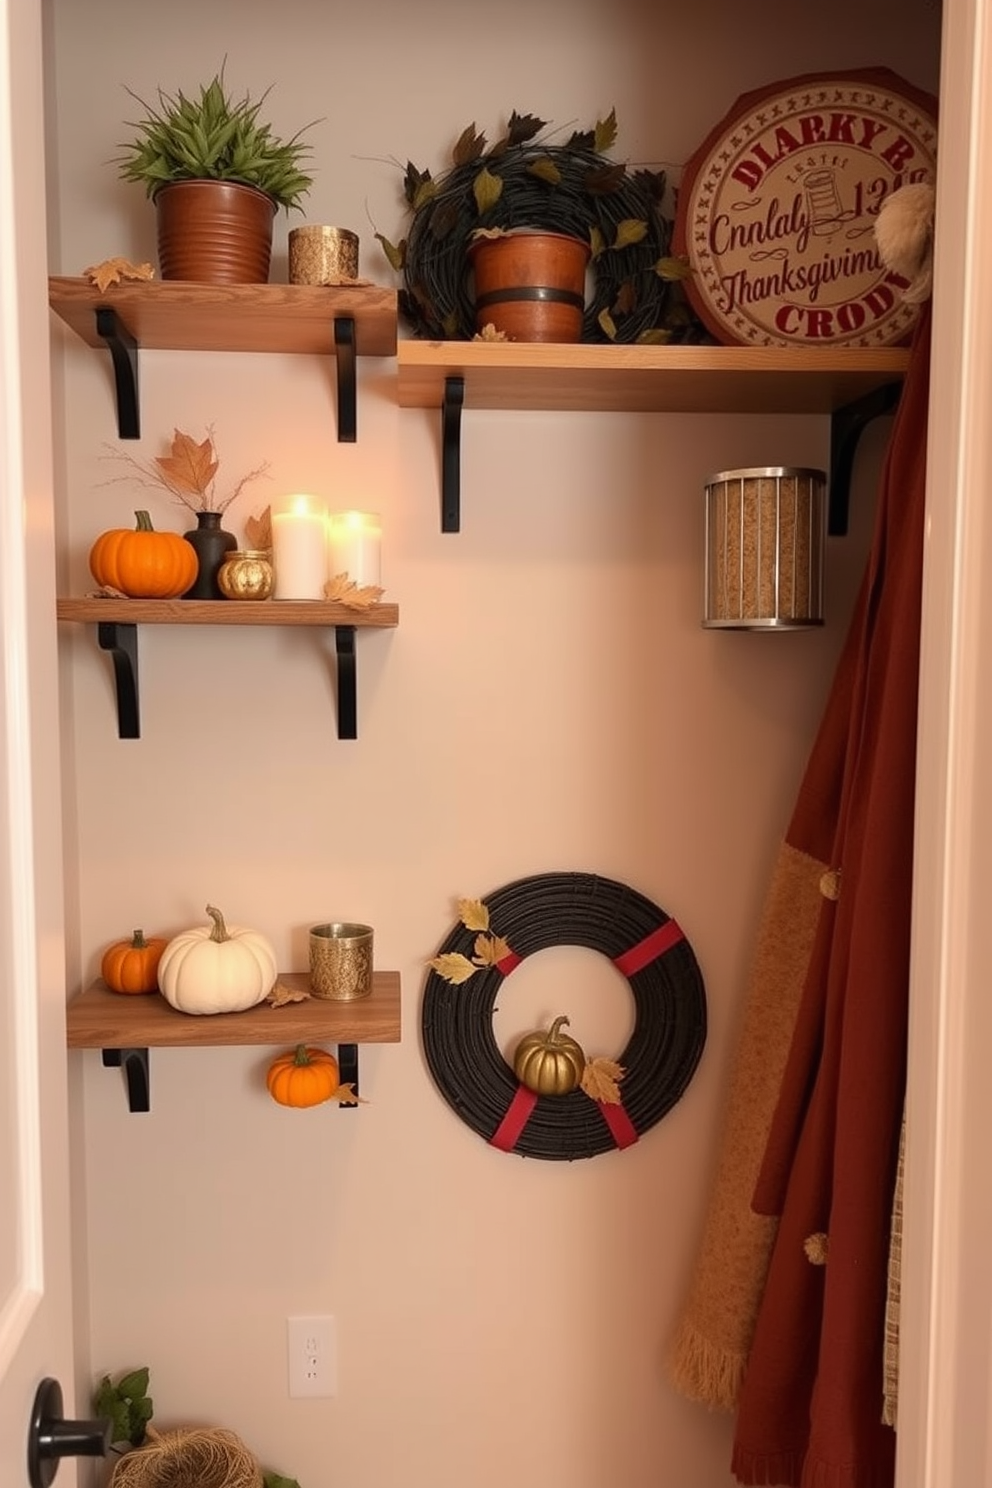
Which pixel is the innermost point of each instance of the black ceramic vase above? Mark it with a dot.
(211, 545)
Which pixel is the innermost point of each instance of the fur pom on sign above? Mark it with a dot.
(904, 234)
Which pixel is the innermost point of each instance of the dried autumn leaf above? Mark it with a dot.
(258, 531)
(469, 146)
(601, 182)
(523, 127)
(395, 252)
(453, 967)
(489, 950)
(342, 590)
(607, 324)
(490, 333)
(626, 298)
(450, 324)
(281, 995)
(660, 336)
(601, 1079)
(346, 1095)
(673, 268)
(413, 179)
(426, 192)
(597, 241)
(444, 219)
(191, 467)
(606, 132)
(545, 170)
(487, 189)
(114, 270)
(630, 230)
(473, 914)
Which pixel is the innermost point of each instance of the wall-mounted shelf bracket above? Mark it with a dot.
(136, 1066)
(122, 643)
(847, 424)
(451, 426)
(124, 354)
(134, 1063)
(344, 646)
(344, 341)
(348, 1070)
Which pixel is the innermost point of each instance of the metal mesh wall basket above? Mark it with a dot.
(764, 548)
(660, 1058)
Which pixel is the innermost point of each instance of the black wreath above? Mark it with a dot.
(569, 188)
(659, 1060)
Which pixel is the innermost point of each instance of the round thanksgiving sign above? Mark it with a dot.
(776, 210)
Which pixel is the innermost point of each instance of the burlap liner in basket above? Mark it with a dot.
(670, 1014)
(194, 1457)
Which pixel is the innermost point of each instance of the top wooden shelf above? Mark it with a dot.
(170, 315)
(645, 379)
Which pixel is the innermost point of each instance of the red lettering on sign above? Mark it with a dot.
(851, 317)
(841, 129)
(899, 152)
(812, 129)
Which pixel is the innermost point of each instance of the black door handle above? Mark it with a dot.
(51, 1437)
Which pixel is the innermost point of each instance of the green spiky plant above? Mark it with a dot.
(214, 137)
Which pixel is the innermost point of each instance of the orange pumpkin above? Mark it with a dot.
(132, 965)
(143, 563)
(304, 1076)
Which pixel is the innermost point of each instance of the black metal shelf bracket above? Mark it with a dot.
(344, 341)
(847, 425)
(124, 354)
(344, 646)
(348, 1071)
(451, 427)
(121, 640)
(134, 1063)
(136, 1066)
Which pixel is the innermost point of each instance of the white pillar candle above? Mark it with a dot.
(299, 549)
(354, 547)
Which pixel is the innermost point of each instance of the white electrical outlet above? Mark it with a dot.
(313, 1356)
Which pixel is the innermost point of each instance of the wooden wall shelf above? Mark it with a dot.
(851, 384)
(343, 322)
(126, 1027)
(117, 622)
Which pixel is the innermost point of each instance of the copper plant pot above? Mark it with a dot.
(214, 232)
(531, 285)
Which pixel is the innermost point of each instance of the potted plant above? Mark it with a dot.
(217, 176)
(569, 202)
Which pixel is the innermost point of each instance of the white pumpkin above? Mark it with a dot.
(216, 969)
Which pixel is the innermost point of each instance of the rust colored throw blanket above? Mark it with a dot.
(811, 1404)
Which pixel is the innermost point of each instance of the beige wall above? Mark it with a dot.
(549, 701)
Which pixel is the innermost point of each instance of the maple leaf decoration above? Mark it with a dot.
(488, 948)
(345, 1095)
(115, 271)
(342, 590)
(281, 995)
(191, 467)
(258, 531)
(601, 1079)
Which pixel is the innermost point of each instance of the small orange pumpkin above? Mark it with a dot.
(303, 1076)
(132, 965)
(143, 563)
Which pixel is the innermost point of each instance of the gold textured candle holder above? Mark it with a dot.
(341, 961)
(246, 574)
(322, 255)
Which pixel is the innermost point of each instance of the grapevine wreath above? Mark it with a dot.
(524, 180)
(465, 979)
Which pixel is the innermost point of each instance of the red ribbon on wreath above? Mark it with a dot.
(622, 1129)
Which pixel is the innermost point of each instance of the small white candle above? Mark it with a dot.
(299, 549)
(355, 546)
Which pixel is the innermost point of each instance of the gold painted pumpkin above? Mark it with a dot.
(216, 969)
(132, 965)
(549, 1062)
(305, 1076)
(143, 563)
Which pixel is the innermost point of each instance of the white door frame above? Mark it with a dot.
(946, 1329)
